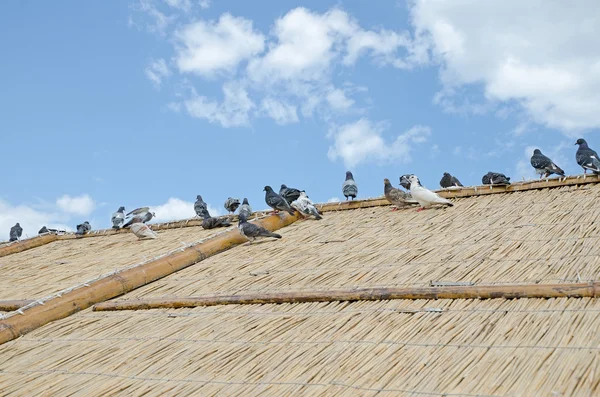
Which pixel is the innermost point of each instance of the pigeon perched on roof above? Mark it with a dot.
(210, 222)
(252, 231)
(424, 196)
(142, 215)
(83, 228)
(495, 178)
(544, 166)
(245, 209)
(349, 187)
(395, 196)
(118, 218)
(449, 181)
(587, 158)
(139, 211)
(305, 206)
(290, 194)
(405, 181)
(231, 204)
(277, 202)
(200, 206)
(15, 232)
(141, 230)
(43, 230)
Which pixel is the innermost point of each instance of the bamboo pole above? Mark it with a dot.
(120, 283)
(11, 305)
(577, 290)
(23, 245)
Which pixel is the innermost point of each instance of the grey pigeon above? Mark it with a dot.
(544, 166)
(139, 211)
(118, 218)
(142, 231)
(495, 178)
(245, 209)
(395, 196)
(405, 181)
(290, 194)
(587, 158)
(200, 206)
(142, 215)
(231, 204)
(15, 232)
(252, 231)
(277, 202)
(43, 230)
(449, 181)
(83, 228)
(210, 223)
(349, 187)
(305, 206)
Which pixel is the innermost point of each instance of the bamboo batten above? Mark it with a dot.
(9, 306)
(125, 281)
(20, 246)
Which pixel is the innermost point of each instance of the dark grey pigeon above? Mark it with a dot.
(277, 202)
(15, 232)
(290, 194)
(252, 231)
(245, 209)
(231, 204)
(495, 178)
(449, 181)
(587, 158)
(544, 166)
(405, 181)
(140, 216)
(210, 223)
(118, 218)
(349, 187)
(43, 230)
(83, 228)
(200, 206)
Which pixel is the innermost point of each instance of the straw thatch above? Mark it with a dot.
(425, 347)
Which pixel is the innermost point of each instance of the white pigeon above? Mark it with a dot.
(305, 206)
(141, 230)
(424, 196)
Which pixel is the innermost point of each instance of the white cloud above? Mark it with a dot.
(362, 141)
(232, 112)
(547, 59)
(78, 205)
(283, 113)
(183, 5)
(157, 70)
(204, 4)
(334, 200)
(159, 21)
(338, 100)
(209, 47)
(177, 209)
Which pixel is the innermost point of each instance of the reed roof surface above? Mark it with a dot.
(43, 270)
(445, 347)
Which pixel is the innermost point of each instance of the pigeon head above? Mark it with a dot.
(283, 186)
(121, 209)
(18, 224)
(198, 197)
(245, 201)
(268, 189)
(303, 194)
(242, 218)
(537, 151)
(349, 175)
(386, 181)
(404, 182)
(446, 174)
(413, 179)
(581, 142)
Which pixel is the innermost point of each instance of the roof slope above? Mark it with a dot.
(462, 347)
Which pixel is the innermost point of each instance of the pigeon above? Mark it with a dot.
(587, 158)
(245, 208)
(405, 181)
(200, 206)
(83, 228)
(139, 211)
(290, 194)
(210, 223)
(544, 166)
(43, 230)
(495, 178)
(140, 215)
(277, 202)
(252, 231)
(349, 187)
(141, 230)
(15, 232)
(448, 181)
(396, 197)
(424, 196)
(231, 204)
(118, 218)
(305, 206)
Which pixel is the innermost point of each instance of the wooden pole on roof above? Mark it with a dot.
(11, 305)
(34, 242)
(577, 290)
(120, 283)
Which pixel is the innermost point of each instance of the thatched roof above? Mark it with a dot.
(426, 347)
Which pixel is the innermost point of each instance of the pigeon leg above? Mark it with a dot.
(421, 209)
(394, 209)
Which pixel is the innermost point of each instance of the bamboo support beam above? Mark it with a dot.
(21, 246)
(122, 282)
(578, 290)
(11, 305)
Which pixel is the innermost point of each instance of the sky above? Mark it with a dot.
(151, 102)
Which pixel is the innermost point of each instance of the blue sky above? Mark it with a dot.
(152, 102)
